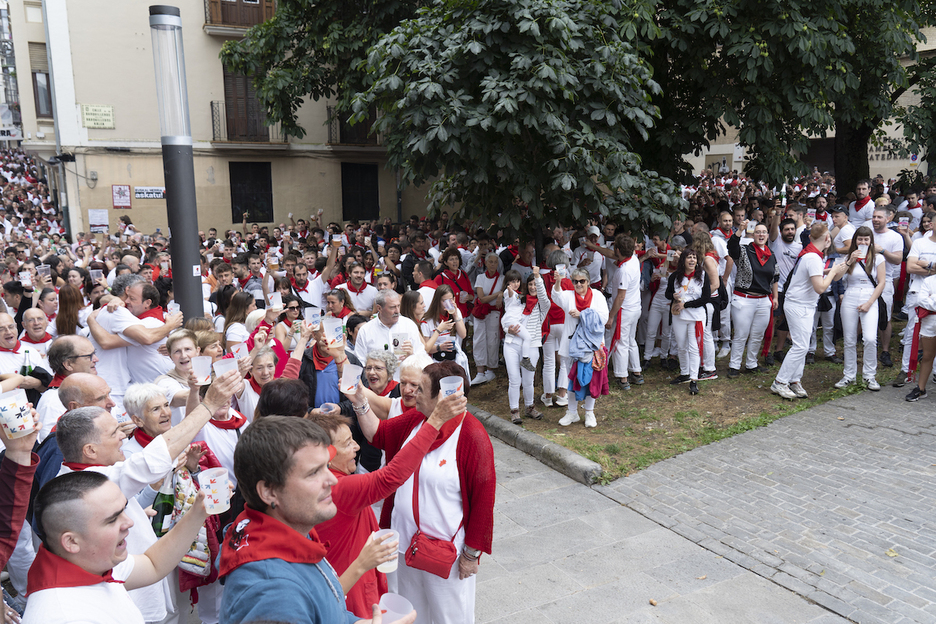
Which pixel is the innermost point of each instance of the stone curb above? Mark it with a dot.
(557, 457)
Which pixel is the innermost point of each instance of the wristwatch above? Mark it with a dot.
(472, 553)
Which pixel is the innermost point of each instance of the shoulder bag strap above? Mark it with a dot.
(416, 503)
(868, 273)
(789, 277)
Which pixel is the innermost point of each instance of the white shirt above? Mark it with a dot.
(222, 443)
(860, 217)
(629, 281)
(893, 242)
(144, 361)
(858, 277)
(374, 335)
(314, 292)
(13, 362)
(923, 248)
(50, 409)
(801, 289)
(104, 603)
(593, 268)
(363, 300)
(844, 237)
(786, 256)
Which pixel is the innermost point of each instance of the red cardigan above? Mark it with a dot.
(461, 283)
(346, 533)
(475, 458)
(15, 487)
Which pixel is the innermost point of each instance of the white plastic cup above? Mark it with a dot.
(670, 253)
(201, 366)
(96, 274)
(450, 385)
(240, 350)
(449, 305)
(394, 608)
(25, 278)
(15, 417)
(224, 365)
(44, 270)
(172, 307)
(314, 316)
(328, 408)
(397, 339)
(903, 221)
(350, 375)
(862, 252)
(389, 566)
(463, 297)
(561, 270)
(214, 483)
(334, 330)
(811, 214)
(276, 300)
(750, 226)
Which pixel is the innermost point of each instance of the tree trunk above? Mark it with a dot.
(851, 156)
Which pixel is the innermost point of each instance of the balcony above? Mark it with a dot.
(244, 127)
(340, 132)
(232, 18)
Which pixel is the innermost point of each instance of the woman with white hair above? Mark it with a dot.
(379, 370)
(410, 376)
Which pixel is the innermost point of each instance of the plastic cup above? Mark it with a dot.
(172, 307)
(561, 270)
(44, 270)
(25, 278)
(201, 366)
(389, 566)
(397, 339)
(276, 300)
(463, 297)
(214, 483)
(451, 385)
(903, 221)
(334, 330)
(670, 254)
(15, 417)
(862, 252)
(328, 408)
(224, 365)
(750, 226)
(239, 350)
(96, 274)
(350, 375)
(449, 305)
(394, 607)
(811, 214)
(314, 316)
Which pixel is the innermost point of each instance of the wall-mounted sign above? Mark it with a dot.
(121, 193)
(97, 219)
(8, 132)
(97, 116)
(149, 192)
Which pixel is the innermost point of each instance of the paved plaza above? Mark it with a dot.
(795, 522)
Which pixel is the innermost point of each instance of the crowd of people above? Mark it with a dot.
(125, 423)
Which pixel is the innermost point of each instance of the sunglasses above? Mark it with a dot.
(579, 281)
(292, 307)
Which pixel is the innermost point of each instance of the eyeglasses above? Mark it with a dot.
(87, 355)
(376, 369)
(580, 281)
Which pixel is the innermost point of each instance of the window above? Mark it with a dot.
(42, 87)
(251, 192)
(359, 191)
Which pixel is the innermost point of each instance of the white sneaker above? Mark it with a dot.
(560, 400)
(782, 389)
(798, 390)
(725, 352)
(547, 401)
(489, 375)
(873, 384)
(655, 353)
(590, 420)
(479, 379)
(569, 418)
(844, 382)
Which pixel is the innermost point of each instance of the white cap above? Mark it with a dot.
(591, 229)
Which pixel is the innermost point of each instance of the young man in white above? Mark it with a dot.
(861, 210)
(890, 244)
(921, 263)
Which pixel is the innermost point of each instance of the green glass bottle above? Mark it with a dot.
(163, 506)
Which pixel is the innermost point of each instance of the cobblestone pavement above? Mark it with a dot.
(835, 503)
(566, 553)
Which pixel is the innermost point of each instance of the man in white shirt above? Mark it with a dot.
(422, 275)
(842, 230)
(312, 291)
(68, 355)
(912, 205)
(588, 259)
(861, 210)
(16, 355)
(889, 244)
(376, 333)
(625, 313)
(362, 294)
(786, 246)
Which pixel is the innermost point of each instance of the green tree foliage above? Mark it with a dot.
(312, 49)
(520, 102)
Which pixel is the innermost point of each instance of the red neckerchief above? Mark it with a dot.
(78, 466)
(236, 421)
(517, 260)
(357, 291)
(530, 304)
(916, 205)
(255, 536)
(712, 255)
(345, 311)
(56, 381)
(52, 317)
(514, 250)
(861, 203)
(429, 284)
(727, 233)
(689, 276)
(303, 289)
(763, 255)
(389, 388)
(27, 338)
(321, 361)
(49, 571)
(419, 254)
(142, 437)
(287, 322)
(253, 384)
(821, 216)
(156, 313)
(448, 274)
(13, 350)
(489, 276)
(583, 302)
(810, 248)
(243, 282)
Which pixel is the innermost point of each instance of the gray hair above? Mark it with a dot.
(386, 357)
(580, 273)
(123, 282)
(491, 253)
(416, 362)
(556, 258)
(75, 429)
(138, 395)
(382, 296)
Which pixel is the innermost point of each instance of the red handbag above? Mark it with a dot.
(426, 553)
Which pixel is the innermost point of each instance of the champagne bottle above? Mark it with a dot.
(163, 506)
(27, 365)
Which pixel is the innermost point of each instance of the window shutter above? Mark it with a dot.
(38, 59)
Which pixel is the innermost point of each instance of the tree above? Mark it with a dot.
(312, 49)
(524, 109)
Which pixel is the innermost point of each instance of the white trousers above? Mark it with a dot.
(487, 340)
(799, 320)
(657, 324)
(708, 340)
(750, 318)
(685, 332)
(828, 330)
(724, 334)
(516, 375)
(550, 352)
(437, 600)
(868, 320)
(625, 355)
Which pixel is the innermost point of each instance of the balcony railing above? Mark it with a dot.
(247, 127)
(340, 132)
(232, 17)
